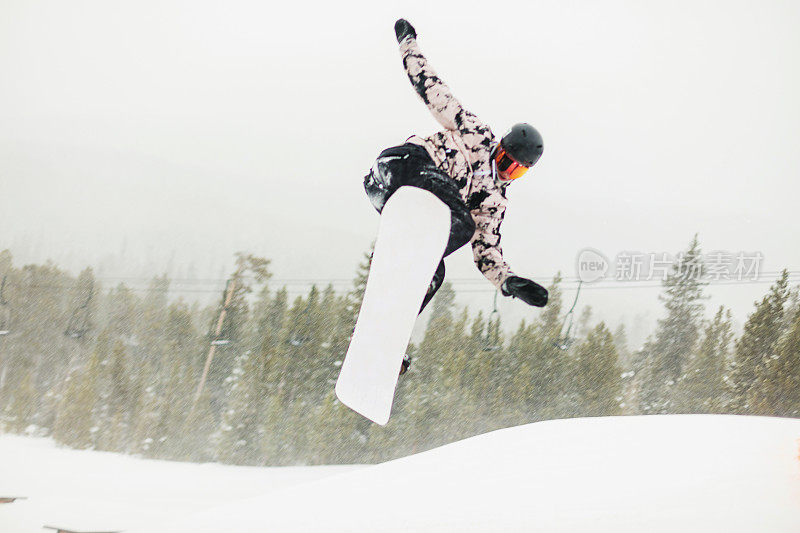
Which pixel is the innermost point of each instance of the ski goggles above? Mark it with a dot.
(506, 164)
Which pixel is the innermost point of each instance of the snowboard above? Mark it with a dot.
(412, 236)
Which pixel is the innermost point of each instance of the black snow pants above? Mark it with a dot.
(410, 164)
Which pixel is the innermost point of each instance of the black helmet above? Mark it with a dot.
(523, 143)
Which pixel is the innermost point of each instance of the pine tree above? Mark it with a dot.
(151, 321)
(485, 342)
(250, 270)
(436, 346)
(77, 417)
(676, 334)
(147, 432)
(597, 375)
(7, 274)
(340, 435)
(758, 342)
(81, 304)
(165, 396)
(457, 377)
(118, 376)
(630, 402)
(40, 318)
(776, 391)
(21, 408)
(239, 441)
(6, 262)
(621, 344)
(702, 388)
(333, 342)
(343, 432)
(123, 309)
(542, 366)
(584, 322)
(356, 295)
(274, 330)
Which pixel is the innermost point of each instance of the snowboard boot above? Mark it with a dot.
(406, 363)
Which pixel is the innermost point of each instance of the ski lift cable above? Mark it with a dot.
(470, 286)
(468, 289)
(342, 280)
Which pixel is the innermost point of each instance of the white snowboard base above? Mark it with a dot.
(413, 233)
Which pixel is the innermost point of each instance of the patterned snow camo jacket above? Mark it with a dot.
(463, 150)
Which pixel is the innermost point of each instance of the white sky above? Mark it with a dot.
(182, 132)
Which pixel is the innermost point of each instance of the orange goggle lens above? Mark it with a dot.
(508, 166)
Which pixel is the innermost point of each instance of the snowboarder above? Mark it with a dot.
(464, 166)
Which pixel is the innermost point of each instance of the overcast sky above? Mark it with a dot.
(181, 132)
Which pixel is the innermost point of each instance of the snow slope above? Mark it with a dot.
(618, 474)
(98, 490)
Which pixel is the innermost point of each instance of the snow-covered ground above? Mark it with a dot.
(617, 474)
(91, 491)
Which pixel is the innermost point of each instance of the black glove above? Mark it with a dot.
(403, 28)
(526, 290)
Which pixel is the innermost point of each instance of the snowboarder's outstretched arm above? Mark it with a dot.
(488, 217)
(489, 256)
(431, 89)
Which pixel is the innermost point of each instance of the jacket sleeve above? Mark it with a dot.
(486, 249)
(434, 93)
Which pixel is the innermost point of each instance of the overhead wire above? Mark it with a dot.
(464, 285)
